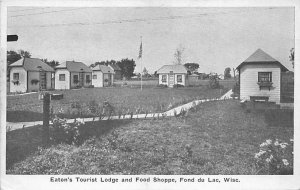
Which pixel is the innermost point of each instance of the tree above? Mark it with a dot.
(178, 55)
(52, 63)
(13, 56)
(127, 67)
(292, 51)
(192, 67)
(227, 74)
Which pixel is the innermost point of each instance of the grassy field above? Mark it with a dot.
(216, 138)
(123, 99)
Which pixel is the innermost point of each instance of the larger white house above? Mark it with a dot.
(71, 74)
(30, 74)
(260, 77)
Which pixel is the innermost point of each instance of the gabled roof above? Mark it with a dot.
(74, 66)
(115, 67)
(103, 69)
(174, 68)
(261, 57)
(32, 64)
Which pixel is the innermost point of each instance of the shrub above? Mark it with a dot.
(162, 86)
(275, 158)
(236, 90)
(64, 132)
(178, 86)
(213, 82)
(91, 86)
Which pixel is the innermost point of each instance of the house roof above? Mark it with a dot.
(103, 69)
(74, 66)
(115, 67)
(261, 57)
(174, 68)
(32, 64)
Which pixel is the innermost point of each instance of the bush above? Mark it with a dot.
(275, 158)
(213, 82)
(162, 86)
(236, 90)
(178, 86)
(91, 86)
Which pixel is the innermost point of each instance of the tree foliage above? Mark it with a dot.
(52, 63)
(227, 74)
(192, 67)
(127, 67)
(13, 56)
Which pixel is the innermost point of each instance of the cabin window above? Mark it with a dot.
(179, 78)
(164, 78)
(16, 76)
(62, 77)
(94, 76)
(264, 76)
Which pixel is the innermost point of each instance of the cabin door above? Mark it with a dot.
(43, 80)
(81, 79)
(171, 79)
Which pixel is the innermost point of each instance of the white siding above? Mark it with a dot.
(183, 79)
(99, 81)
(62, 85)
(22, 86)
(160, 79)
(249, 79)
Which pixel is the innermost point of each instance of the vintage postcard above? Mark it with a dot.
(149, 95)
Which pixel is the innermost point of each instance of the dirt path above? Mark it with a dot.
(13, 126)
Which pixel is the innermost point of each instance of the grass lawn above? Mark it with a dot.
(29, 108)
(218, 138)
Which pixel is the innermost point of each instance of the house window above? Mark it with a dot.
(179, 78)
(16, 76)
(87, 78)
(62, 77)
(264, 76)
(75, 79)
(94, 76)
(164, 78)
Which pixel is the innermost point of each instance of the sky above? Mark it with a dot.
(215, 38)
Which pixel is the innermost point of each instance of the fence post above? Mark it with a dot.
(46, 118)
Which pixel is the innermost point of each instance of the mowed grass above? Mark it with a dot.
(218, 138)
(29, 108)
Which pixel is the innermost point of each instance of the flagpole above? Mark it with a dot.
(141, 68)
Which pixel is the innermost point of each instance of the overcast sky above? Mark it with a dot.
(215, 38)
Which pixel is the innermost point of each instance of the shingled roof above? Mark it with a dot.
(103, 68)
(32, 64)
(74, 66)
(261, 57)
(174, 68)
(115, 67)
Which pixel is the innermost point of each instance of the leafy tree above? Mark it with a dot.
(178, 55)
(292, 51)
(127, 67)
(52, 63)
(227, 74)
(13, 56)
(111, 62)
(192, 67)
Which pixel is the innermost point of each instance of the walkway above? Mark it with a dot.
(170, 113)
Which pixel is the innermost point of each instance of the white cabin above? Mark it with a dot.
(173, 74)
(260, 77)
